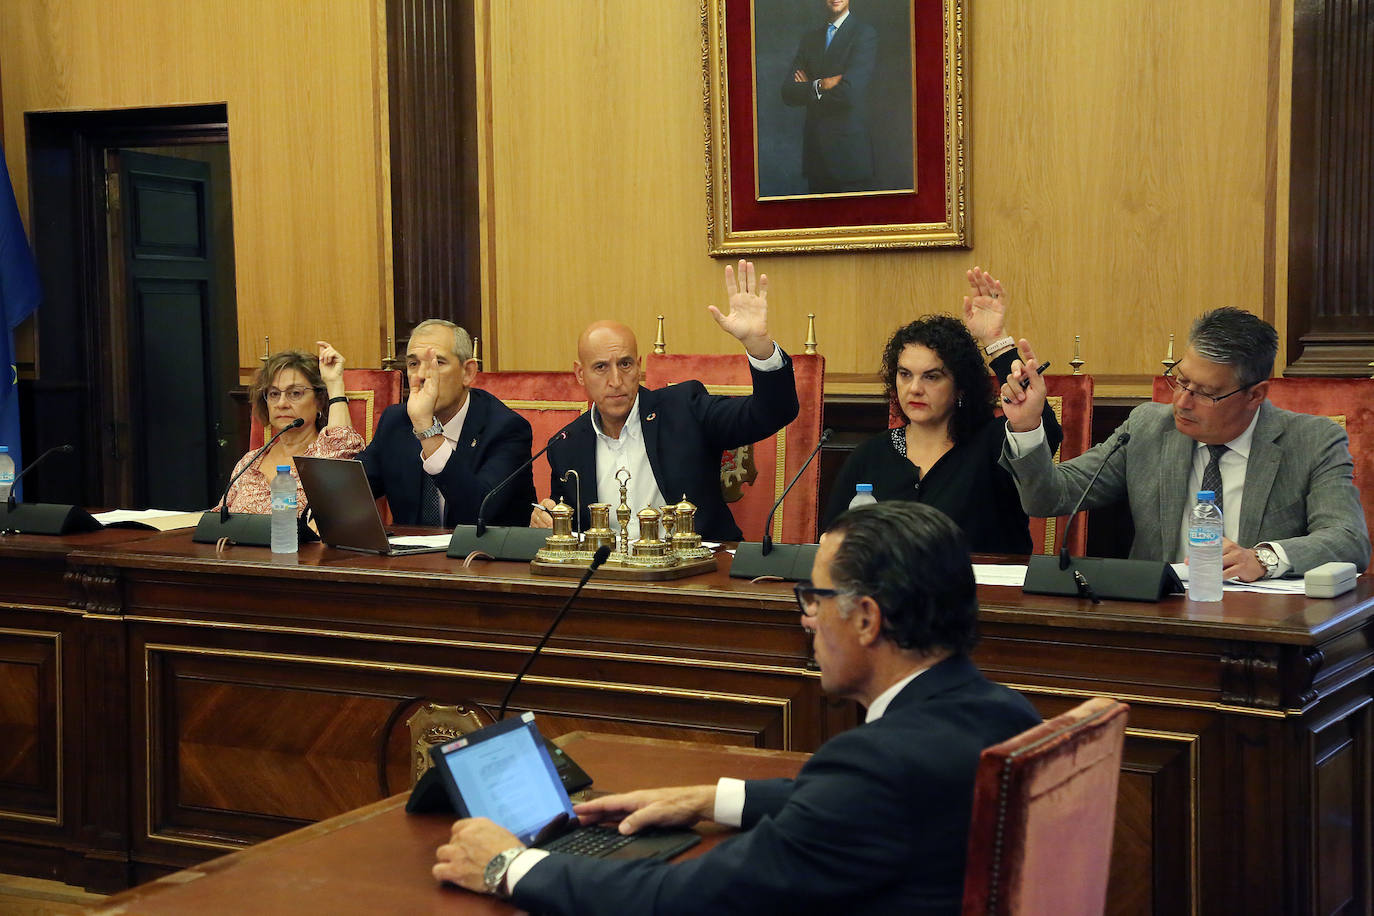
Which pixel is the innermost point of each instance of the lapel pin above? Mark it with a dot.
(472, 444)
(650, 417)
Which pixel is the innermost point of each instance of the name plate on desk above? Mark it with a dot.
(785, 561)
(46, 518)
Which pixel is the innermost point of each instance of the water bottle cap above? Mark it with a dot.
(863, 488)
(283, 469)
(1201, 494)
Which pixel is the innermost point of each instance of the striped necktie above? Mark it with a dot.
(1211, 477)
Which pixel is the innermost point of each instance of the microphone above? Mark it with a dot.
(224, 500)
(1121, 440)
(602, 554)
(768, 525)
(482, 507)
(14, 485)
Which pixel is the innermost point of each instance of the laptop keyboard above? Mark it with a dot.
(596, 842)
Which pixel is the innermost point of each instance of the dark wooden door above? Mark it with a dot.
(166, 409)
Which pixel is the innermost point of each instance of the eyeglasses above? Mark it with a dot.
(1180, 385)
(809, 596)
(293, 394)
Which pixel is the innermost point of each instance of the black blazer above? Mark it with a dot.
(685, 430)
(875, 822)
(495, 441)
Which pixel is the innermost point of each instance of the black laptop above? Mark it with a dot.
(504, 772)
(343, 507)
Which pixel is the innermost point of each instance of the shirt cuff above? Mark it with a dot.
(522, 864)
(768, 365)
(729, 810)
(1024, 443)
(436, 462)
(1284, 567)
(816, 85)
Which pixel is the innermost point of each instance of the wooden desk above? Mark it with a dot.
(229, 699)
(377, 859)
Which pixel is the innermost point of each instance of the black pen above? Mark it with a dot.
(1025, 382)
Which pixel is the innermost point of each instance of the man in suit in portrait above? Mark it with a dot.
(877, 820)
(669, 440)
(437, 455)
(1283, 480)
(830, 75)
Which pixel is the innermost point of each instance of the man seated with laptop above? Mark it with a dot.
(876, 821)
(437, 455)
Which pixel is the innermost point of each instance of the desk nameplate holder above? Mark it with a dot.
(1123, 580)
(46, 518)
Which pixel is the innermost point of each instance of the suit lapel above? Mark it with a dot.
(474, 427)
(1260, 470)
(1176, 461)
(649, 426)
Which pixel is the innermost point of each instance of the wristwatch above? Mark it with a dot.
(435, 429)
(1266, 555)
(495, 875)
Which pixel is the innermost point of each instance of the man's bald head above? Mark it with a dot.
(608, 368)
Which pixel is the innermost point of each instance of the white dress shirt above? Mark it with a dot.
(436, 462)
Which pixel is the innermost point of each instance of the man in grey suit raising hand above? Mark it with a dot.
(1284, 480)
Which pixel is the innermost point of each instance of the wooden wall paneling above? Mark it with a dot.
(306, 142)
(1331, 204)
(430, 62)
(1105, 188)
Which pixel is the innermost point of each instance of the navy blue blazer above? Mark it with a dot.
(875, 822)
(495, 441)
(835, 143)
(685, 430)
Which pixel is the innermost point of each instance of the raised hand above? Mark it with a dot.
(985, 311)
(748, 318)
(331, 362)
(680, 806)
(424, 391)
(1022, 406)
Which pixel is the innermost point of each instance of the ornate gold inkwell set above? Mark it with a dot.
(668, 546)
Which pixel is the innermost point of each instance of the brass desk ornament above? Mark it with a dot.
(656, 554)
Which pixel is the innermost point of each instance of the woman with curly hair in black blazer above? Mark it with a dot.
(945, 452)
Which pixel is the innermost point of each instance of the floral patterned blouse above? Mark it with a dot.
(251, 493)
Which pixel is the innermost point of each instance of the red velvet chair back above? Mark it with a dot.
(749, 477)
(369, 392)
(1044, 807)
(1346, 401)
(548, 400)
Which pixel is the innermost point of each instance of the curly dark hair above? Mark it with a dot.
(306, 364)
(961, 355)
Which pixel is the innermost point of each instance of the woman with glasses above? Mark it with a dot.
(294, 385)
(945, 451)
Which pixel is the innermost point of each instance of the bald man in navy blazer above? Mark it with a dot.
(830, 78)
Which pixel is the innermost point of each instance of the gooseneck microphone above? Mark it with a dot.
(224, 500)
(1121, 440)
(14, 484)
(482, 507)
(602, 554)
(768, 525)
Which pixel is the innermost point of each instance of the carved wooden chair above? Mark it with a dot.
(548, 400)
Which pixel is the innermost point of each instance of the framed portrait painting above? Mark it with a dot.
(834, 125)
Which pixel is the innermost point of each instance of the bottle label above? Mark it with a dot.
(283, 501)
(1204, 536)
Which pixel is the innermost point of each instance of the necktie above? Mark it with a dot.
(1211, 478)
(829, 34)
(429, 502)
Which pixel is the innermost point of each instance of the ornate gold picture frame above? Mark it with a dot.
(839, 139)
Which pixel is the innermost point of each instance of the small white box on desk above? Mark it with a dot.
(1329, 580)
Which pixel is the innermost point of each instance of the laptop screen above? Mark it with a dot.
(503, 772)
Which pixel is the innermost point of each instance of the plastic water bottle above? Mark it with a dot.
(863, 496)
(284, 511)
(6, 472)
(1204, 549)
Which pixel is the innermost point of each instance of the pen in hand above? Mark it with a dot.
(1025, 382)
(541, 508)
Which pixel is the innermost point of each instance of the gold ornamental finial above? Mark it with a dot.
(810, 334)
(389, 359)
(660, 345)
(477, 351)
(1169, 361)
(1077, 362)
(266, 350)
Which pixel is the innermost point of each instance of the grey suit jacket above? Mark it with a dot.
(1299, 486)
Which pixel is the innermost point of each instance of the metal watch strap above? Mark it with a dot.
(435, 429)
(1269, 558)
(494, 876)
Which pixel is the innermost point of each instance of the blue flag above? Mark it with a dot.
(19, 296)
